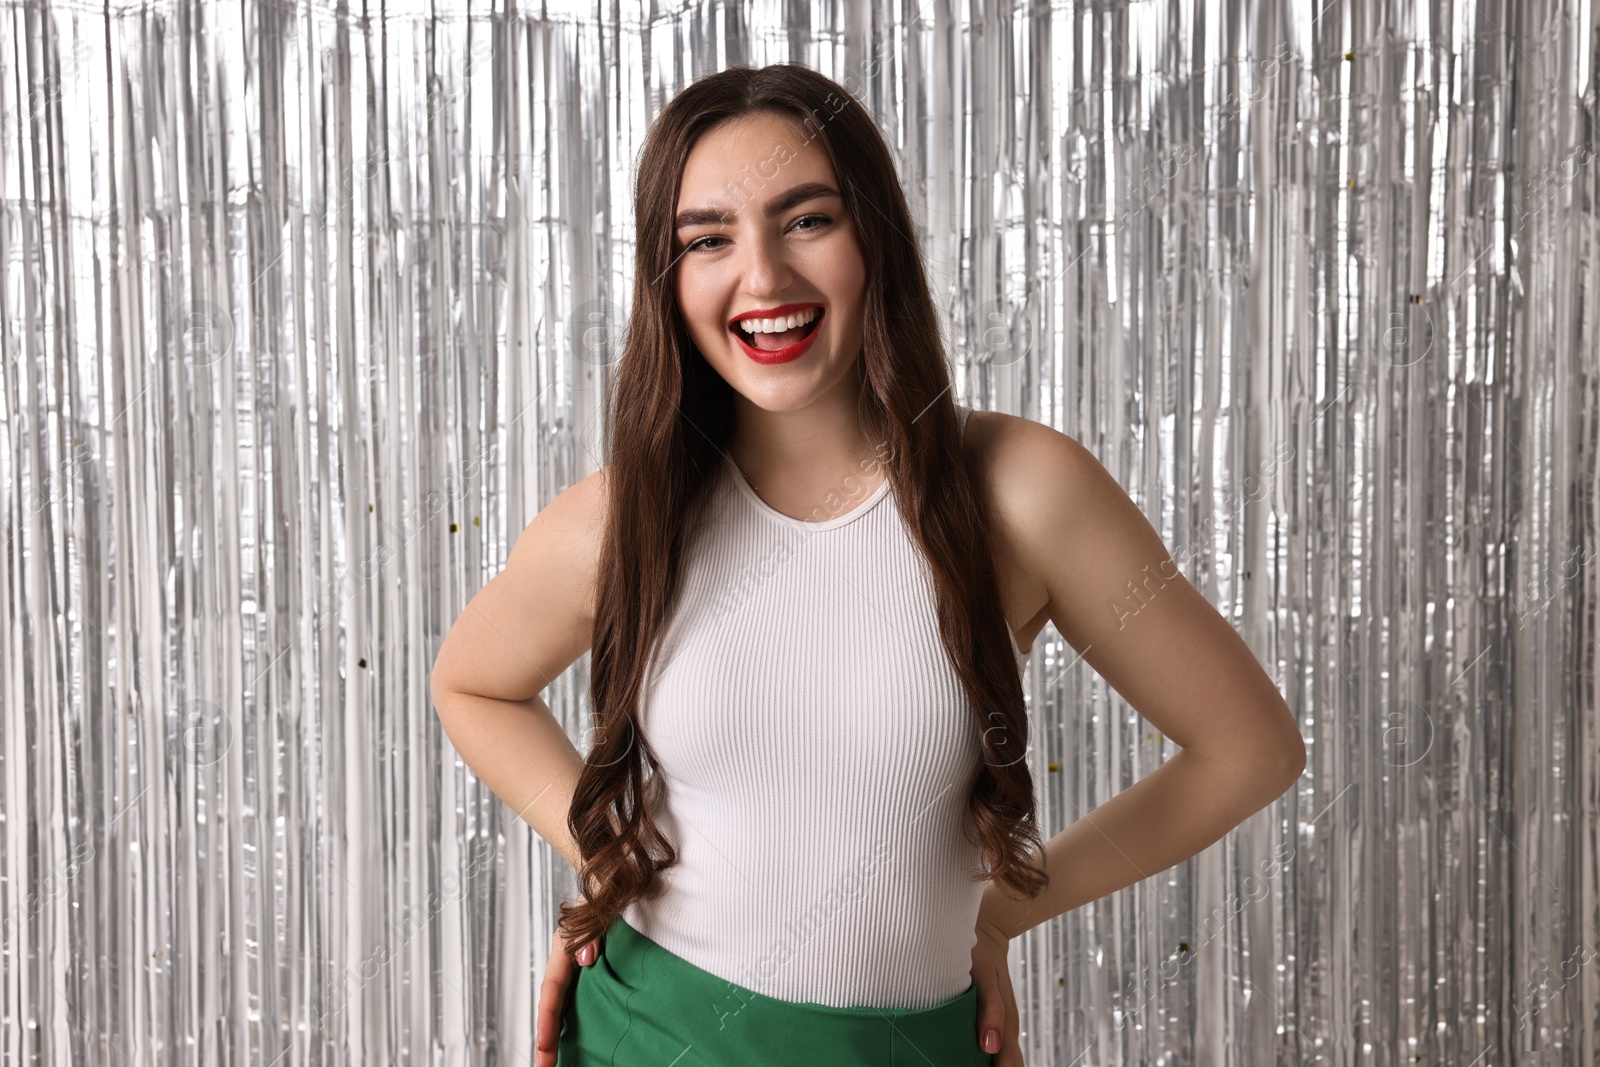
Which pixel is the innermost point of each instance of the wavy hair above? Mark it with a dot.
(669, 418)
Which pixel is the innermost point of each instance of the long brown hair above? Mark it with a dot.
(670, 419)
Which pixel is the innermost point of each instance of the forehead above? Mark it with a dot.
(750, 158)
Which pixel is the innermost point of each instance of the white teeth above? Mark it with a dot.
(778, 325)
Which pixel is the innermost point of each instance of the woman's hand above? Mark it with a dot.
(998, 1024)
(553, 997)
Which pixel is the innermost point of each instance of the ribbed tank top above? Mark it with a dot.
(816, 749)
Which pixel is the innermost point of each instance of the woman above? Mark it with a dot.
(805, 827)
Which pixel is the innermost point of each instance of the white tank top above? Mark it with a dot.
(817, 750)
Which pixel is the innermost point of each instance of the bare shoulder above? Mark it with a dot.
(1082, 548)
(1029, 467)
(1041, 485)
(569, 533)
(574, 522)
(531, 621)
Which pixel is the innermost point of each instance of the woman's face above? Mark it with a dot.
(783, 238)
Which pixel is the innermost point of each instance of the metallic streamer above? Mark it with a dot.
(307, 309)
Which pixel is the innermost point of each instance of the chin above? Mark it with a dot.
(778, 401)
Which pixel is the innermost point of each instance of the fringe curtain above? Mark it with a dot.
(308, 309)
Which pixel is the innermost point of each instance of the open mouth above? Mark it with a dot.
(777, 342)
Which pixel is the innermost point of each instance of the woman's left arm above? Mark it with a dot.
(1118, 598)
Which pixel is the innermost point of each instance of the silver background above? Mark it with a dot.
(306, 315)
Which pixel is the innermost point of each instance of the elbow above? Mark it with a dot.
(437, 696)
(440, 691)
(1273, 767)
(446, 679)
(1292, 760)
(1287, 754)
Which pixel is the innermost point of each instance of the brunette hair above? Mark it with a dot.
(670, 419)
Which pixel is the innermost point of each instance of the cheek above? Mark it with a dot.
(848, 269)
(698, 291)
(692, 302)
(700, 304)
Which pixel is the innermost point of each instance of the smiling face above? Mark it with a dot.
(761, 228)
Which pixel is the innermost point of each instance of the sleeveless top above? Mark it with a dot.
(816, 750)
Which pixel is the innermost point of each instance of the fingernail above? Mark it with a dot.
(586, 955)
(991, 1041)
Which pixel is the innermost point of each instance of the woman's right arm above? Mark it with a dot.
(515, 637)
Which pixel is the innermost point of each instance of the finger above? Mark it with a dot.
(1011, 1043)
(991, 1014)
(552, 994)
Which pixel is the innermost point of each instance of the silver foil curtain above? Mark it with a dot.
(308, 309)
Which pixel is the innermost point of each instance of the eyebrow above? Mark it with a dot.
(710, 216)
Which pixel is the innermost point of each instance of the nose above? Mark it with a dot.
(765, 265)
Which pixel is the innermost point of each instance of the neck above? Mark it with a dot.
(803, 449)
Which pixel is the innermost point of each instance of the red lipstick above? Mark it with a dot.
(771, 313)
(780, 355)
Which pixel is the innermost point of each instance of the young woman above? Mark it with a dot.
(805, 826)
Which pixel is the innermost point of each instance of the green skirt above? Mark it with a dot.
(638, 1005)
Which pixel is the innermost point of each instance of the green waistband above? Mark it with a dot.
(639, 1005)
